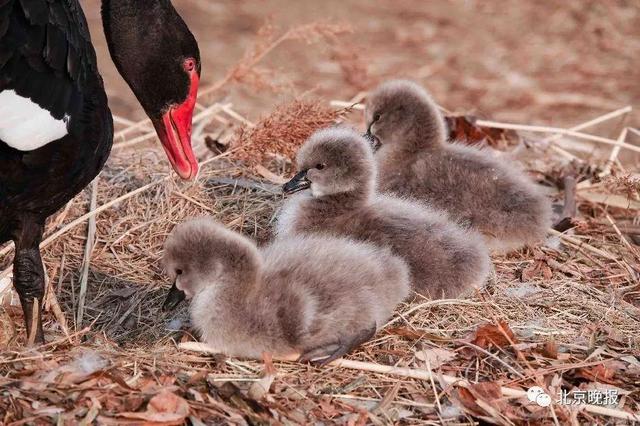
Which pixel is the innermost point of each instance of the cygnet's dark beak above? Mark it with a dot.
(173, 299)
(375, 143)
(299, 182)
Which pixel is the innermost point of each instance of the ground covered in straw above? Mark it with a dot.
(564, 316)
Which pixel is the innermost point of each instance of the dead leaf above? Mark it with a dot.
(547, 274)
(92, 413)
(328, 409)
(488, 392)
(537, 269)
(499, 335)
(599, 373)
(467, 400)
(463, 128)
(165, 408)
(435, 356)
(168, 402)
(197, 377)
(550, 349)
(166, 379)
(530, 272)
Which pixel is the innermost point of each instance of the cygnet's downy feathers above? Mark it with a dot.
(310, 296)
(474, 187)
(337, 167)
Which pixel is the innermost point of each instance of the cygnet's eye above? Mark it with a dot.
(320, 166)
(376, 116)
(178, 271)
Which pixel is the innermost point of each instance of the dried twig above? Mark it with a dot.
(582, 245)
(600, 119)
(614, 153)
(613, 200)
(624, 241)
(567, 132)
(88, 248)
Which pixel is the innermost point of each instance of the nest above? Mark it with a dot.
(563, 316)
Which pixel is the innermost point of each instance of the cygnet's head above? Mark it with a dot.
(332, 161)
(202, 252)
(402, 112)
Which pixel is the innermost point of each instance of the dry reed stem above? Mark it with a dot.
(634, 130)
(91, 231)
(622, 238)
(613, 200)
(58, 313)
(614, 154)
(344, 104)
(35, 316)
(597, 120)
(557, 130)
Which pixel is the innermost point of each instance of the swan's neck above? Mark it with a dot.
(340, 203)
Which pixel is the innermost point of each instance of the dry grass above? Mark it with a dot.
(248, 69)
(562, 316)
(283, 131)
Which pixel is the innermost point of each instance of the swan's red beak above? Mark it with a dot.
(174, 131)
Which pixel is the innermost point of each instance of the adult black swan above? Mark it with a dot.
(56, 129)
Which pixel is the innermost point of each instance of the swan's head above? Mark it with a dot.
(402, 112)
(158, 57)
(202, 252)
(332, 161)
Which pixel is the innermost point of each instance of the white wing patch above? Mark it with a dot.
(26, 126)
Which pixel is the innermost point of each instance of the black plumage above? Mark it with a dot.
(46, 55)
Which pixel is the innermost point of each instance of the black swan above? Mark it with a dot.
(56, 129)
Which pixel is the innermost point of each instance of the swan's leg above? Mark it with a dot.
(28, 276)
(328, 352)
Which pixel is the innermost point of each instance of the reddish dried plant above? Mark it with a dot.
(283, 131)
